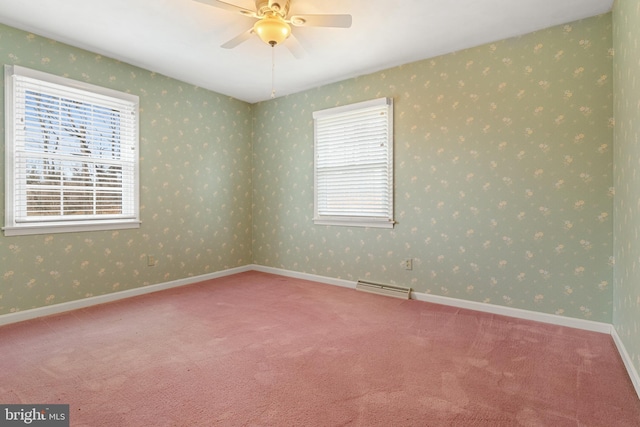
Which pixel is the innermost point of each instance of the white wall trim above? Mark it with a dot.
(305, 276)
(571, 322)
(436, 299)
(518, 313)
(628, 362)
(34, 313)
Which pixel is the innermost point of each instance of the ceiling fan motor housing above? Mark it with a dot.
(266, 7)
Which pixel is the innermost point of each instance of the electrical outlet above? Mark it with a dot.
(407, 263)
(151, 260)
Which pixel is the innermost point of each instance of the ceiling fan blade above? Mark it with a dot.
(238, 39)
(295, 47)
(339, 21)
(228, 6)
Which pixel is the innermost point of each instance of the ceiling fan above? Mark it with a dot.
(273, 24)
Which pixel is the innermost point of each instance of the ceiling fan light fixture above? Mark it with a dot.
(272, 29)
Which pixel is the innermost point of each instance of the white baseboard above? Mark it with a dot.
(305, 276)
(470, 305)
(20, 316)
(571, 322)
(628, 362)
(518, 313)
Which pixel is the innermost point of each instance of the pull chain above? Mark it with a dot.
(273, 71)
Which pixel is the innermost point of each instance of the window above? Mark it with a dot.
(71, 155)
(354, 164)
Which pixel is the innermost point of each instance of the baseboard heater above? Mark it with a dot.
(380, 289)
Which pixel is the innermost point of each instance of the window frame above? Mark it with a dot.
(18, 224)
(363, 220)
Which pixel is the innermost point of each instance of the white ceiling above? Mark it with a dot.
(182, 38)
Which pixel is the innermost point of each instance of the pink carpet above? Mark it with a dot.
(255, 349)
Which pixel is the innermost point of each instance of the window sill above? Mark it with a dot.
(355, 222)
(74, 227)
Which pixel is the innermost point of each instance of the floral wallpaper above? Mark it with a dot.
(503, 180)
(626, 300)
(195, 172)
(503, 176)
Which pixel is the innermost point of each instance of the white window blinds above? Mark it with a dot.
(73, 150)
(354, 164)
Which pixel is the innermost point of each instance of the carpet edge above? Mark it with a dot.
(34, 313)
(305, 276)
(518, 313)
(626, 359)
(554, 319)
